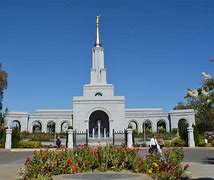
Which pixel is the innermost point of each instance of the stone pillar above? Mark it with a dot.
(191, 142)
(129, 138)
(8, 138)
(70, 138)
(110, 128)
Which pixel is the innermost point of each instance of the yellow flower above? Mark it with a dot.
(154, 164)
(149, 171)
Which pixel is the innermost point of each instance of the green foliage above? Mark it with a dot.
(182, 130)
(201, 141)
(46, 163)
(38, 136)
(15, 137)
(167, 168)
(162, 130)
(3, 84)
(167, 143)
(2, 136)
(178, 142)
(203, 104)
(174, 131)
(28, 144)
(196, 134)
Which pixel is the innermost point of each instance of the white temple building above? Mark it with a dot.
(98, 108)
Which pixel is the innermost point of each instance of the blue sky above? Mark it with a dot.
(154, 50)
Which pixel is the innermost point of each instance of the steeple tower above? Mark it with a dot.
(98, 71)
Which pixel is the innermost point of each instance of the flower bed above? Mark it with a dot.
(46, 163)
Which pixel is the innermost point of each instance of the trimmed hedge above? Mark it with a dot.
(28, 144)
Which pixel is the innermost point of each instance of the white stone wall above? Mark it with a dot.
(21, 117)
(187, 114)
(112, 106)
(106, 90)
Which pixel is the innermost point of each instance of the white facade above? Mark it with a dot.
(98, 103)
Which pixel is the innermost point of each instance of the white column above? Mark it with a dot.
(8, 138)
(129, 138)
(70, 138)
(191, 142)
(98, 123)
(93, 133)
(104, 133)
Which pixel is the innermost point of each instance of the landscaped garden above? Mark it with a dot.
(47, 163)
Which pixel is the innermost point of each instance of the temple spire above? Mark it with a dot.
(97, 41)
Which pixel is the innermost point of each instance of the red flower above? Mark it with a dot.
(35, 152)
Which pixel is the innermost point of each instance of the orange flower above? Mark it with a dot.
(139, 161)
(136, 170)
(149, 171)
(44, 154)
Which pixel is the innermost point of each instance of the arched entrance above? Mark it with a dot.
(98, 119)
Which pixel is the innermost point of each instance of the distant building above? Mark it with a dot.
(98, 107)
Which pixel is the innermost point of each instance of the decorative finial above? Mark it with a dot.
(97, 41)
(97, 20)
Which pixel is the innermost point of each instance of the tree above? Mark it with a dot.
(3, 85)
(202, 101)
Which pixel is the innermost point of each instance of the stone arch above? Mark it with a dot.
(147, 125)
(134, 123)
(97, 109)
(64, 126)
(51, 127)
(161, 123)
(36, 127)
(98, 124)
(15, 123)
(183, 120)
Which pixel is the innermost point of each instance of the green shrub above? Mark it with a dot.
(174, 131)
(182, 130)
(212, 142)
(167, 143)
(162, 130)
(201, 141)
(2, 136)
(15, 137)
(28, 144)
(209, 145)
(178, 142)
(196, 135)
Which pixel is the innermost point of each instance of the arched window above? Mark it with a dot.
(16, 123)
(37, 127)
(64, 126)
(98, 94)
(133, 124)
(51, 127)
(161, 125)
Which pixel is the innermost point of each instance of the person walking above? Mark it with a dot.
(153, 144)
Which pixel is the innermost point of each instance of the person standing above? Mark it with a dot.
(58, 142)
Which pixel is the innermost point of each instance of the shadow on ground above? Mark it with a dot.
(208, 160)
(204, 178)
